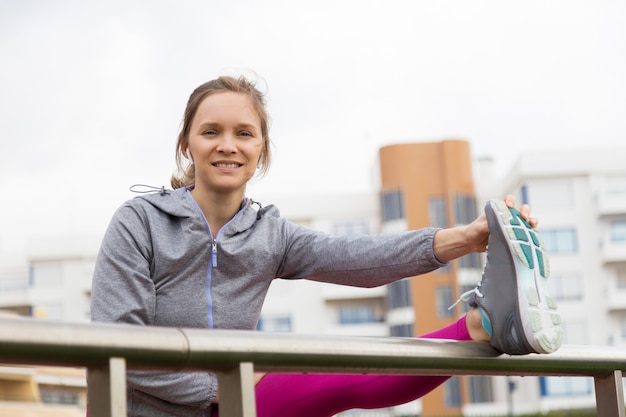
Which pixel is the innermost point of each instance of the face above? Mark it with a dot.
(225, 142)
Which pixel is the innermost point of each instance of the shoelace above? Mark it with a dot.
(466, 296)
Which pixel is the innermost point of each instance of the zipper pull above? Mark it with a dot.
(214, 253)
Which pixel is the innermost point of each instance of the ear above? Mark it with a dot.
(187, 155)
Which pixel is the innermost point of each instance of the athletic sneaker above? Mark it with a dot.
(518, 312)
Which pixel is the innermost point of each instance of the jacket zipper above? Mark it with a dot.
(214, 253)
(214, 241)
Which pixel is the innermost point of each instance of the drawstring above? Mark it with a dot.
(144, 189)
(258, 213)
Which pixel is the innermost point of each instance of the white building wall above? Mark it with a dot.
(582, 190)
(60, 276)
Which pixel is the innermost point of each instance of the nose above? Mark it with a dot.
(227, 144)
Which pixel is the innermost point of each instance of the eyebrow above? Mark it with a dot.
(248, 126)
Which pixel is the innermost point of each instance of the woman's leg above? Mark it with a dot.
(319, 395)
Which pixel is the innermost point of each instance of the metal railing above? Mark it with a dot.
(107, 350)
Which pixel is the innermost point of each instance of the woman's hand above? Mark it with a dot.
(477, 232)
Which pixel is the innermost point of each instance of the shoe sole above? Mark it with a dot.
(538, 310)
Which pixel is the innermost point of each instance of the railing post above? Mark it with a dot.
(610, 395)
(236, 397)
(106, 389)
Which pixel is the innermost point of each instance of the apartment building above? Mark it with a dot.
(579, 196)
(431, 184)
(38, 391)
(56, 286)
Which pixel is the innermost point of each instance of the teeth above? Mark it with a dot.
(227, 165)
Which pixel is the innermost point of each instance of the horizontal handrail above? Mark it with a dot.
(71, 344)
(107, 350)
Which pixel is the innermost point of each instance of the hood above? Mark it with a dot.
(179, 203)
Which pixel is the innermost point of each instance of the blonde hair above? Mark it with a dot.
(185, 173)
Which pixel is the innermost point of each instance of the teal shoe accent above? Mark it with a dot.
(485, 321)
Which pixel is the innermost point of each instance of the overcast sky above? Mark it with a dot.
(92, 92)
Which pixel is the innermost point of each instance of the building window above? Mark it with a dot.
(437, 212)
(549, 193)
(444, 301)
(622, 328)
(46, 273)
(14, 282)
(574, 333)
(471, 260)
(446, 269)
(524, 193)
(618, 231)
(465, 213)
(351, 228)
(615, 186)
(452, 392)
(392, 205)
(53, 395)
(560, 240)
(274, 324)
(398, 294)
(480, 389)
(566, 286)
(464, 209)
(621, 280)
(553, 386)
(402, 330)
(358, 315)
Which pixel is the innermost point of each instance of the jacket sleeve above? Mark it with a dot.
(123, 292)
(358, 260)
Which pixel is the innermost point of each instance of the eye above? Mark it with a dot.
(210, 132)
(245, 134)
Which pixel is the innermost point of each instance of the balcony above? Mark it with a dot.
(344, 292)
(616, 299)
(613, 252)
(611, 199)
(14, 290)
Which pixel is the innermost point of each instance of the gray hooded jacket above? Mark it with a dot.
(159, 265)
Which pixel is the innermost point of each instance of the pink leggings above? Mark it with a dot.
(324, 395)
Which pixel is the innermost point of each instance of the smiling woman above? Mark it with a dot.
(203, 255)
(254, 110)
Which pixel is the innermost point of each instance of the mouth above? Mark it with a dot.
(226, 164)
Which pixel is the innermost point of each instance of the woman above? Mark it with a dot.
(203, 255)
